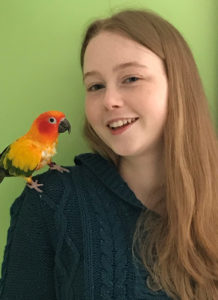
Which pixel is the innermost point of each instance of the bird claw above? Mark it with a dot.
(54, 166)
(35, 185)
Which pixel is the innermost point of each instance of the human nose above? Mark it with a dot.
(112, 98)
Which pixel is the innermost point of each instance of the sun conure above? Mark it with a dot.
(35, 149)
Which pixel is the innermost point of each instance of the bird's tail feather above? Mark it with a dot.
(2, 175)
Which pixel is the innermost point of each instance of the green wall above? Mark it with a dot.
(39, 66)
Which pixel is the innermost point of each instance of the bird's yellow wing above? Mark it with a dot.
(22, 157)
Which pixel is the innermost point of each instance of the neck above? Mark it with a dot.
(145, 176)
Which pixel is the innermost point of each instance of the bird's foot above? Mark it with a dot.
(54, 166)
(35, 185)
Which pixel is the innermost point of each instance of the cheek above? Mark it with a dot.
(158, 113)
(91, 111)
(47, 128)
(155, 100)
(88, 111)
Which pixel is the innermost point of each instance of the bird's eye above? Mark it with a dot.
(52, 120)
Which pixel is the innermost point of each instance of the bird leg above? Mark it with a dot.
(33, 184)
(54, 166)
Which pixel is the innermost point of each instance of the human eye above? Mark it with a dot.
(95, 87)
(131, 79)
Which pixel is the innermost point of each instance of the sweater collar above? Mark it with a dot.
(107, 172)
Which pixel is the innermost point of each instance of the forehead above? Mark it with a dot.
(109, 49)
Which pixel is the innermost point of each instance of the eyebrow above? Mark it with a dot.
(116, 68)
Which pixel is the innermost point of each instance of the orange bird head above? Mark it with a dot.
(47, 126)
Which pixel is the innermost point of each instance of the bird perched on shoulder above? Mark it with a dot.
(35, 149)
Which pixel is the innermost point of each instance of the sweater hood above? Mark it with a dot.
(107, 173)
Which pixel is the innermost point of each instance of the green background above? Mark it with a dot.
(39, 66)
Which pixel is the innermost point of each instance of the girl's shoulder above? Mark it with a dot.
(56, 185)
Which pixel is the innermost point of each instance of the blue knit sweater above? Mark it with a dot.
(73, 241)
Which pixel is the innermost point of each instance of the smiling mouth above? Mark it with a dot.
(122, 123)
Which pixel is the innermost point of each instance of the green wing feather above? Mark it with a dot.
(3, 172)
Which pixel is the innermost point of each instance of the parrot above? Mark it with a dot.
(35, 149)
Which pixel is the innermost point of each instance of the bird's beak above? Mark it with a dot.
(63, 126)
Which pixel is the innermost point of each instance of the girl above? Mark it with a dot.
(136, 219)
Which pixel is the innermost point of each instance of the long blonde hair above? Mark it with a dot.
(182, 253)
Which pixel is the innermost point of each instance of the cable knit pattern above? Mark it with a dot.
(73, 241)
(113, 253)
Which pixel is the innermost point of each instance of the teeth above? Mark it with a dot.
(121, 123)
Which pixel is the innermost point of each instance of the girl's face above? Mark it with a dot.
(126, 94)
